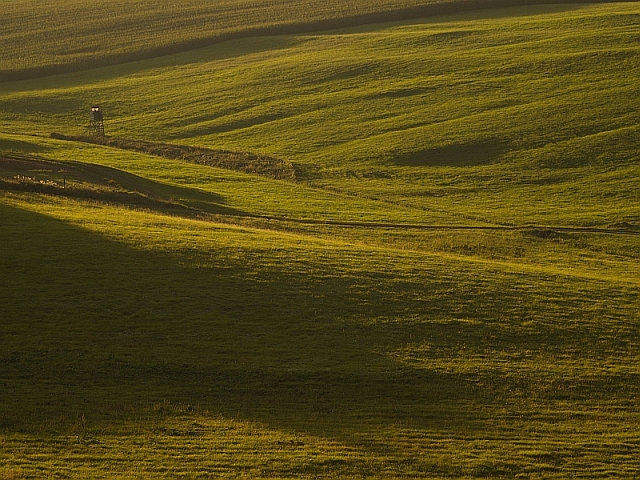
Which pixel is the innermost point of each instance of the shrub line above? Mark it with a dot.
(245, 162)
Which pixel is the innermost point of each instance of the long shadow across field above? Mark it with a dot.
(96, 328)
(97, 182)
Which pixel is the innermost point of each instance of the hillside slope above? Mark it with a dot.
(494, 116)
(48, 37)
(431, 269)
(134, 343)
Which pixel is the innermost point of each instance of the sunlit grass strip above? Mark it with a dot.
(230, 448)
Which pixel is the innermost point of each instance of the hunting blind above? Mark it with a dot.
(96, 122)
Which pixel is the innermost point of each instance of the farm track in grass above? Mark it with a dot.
(275, 168)
(246, 162)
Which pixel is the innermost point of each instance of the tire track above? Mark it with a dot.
(538, 230)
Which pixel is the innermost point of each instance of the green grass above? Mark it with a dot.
(401, 307)
(541, 112)
(208, 188)
(71, 35)
(314, 356)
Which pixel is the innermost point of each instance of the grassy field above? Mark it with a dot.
(436, 273)
(137, 343)
(545, 103)
(54, 36)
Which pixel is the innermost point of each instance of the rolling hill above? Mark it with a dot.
(317, 246)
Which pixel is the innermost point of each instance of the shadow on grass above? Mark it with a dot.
(99, 329)
(10, 145)
(96, 182)
(455, 155)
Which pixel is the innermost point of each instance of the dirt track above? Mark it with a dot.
(538, 230)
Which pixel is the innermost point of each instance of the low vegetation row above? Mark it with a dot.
(246, 162)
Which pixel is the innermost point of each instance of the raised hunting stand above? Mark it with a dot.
(96, 122)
